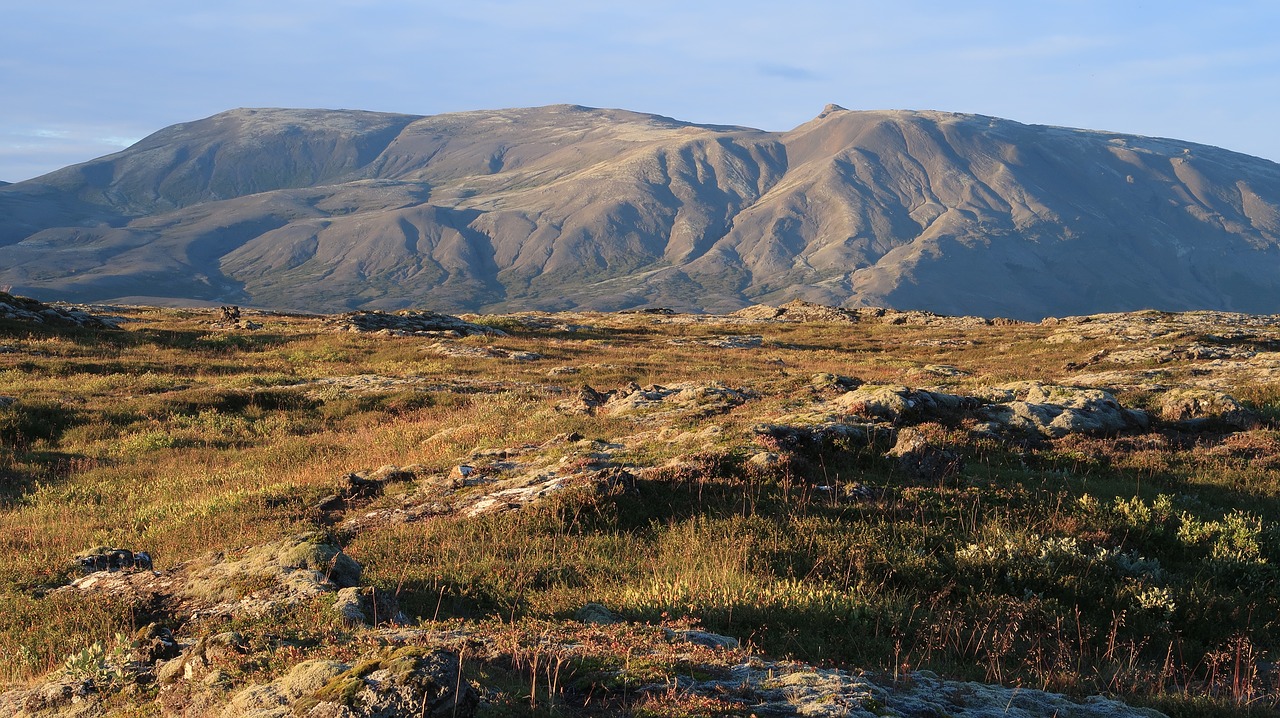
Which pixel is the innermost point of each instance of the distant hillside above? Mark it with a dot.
(566, 206)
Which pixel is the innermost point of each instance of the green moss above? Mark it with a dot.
(400, 663)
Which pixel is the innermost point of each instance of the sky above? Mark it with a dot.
(80, 79)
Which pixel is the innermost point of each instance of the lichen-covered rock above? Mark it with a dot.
(703, 638)
(867, 413)
(356, 487)
(464, 351)
(282, 573)
(197, 660)
(409, 681)
(62, 696)
(367, 606)
(793, 689)
(586, 401)
(1196, 351)
(654, 401)
(733, 341)
(596, 614)
(1055, 411)
(243, 582)
(828, 382)
(24, 309)
(1204, 407)
(153, 643)
(922, 453)
(798, 311)
(691, 396)
(900, 404)
(276, 699)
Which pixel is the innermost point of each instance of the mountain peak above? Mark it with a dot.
(560, 207)
(831, 108)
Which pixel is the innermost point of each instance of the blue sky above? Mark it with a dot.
(83, 79)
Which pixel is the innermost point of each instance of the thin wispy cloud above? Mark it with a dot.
(136, 66)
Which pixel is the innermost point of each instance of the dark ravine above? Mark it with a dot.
(569, 207)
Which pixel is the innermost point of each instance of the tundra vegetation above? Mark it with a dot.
(898, 493)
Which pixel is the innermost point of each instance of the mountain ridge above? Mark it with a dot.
(564, 206)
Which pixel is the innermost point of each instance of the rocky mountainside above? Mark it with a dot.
(564, 206)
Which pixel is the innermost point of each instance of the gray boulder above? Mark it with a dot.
(1053, 411)
(595, 613)
(1196, 408)
(921, 454)
(366, 605)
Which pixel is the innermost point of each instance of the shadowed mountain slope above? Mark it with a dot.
(565, 206)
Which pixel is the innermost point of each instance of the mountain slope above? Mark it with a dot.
(565, 206)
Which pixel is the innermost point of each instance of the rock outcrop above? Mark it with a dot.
(657, 401)
(408, 323)
(408, 681)
(1194, 408)
(795, 689)
(1054, 411)
(24, 309)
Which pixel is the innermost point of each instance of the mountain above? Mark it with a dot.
(564, 206)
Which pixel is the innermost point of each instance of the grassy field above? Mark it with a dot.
(1141, 564)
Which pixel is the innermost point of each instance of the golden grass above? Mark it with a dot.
(179, 439)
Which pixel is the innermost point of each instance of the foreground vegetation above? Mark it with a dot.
(1140, 563)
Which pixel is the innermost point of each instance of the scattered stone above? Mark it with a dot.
(104, 558)
(153, 643)
(766, 460)
(352, 487)
(595, 614)
(1024, 408)
(703, 638)
(949, 342)
(834, 382)
(586, 401)
(197, 661)
(944, 370)
(62, 694)
(498, 483)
